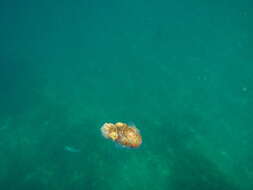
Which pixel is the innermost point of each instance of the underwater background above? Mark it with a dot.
(182, 71)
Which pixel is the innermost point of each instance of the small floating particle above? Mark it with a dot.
(71, 149)
(244, 89)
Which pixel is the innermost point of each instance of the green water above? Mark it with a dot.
(182, 71)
